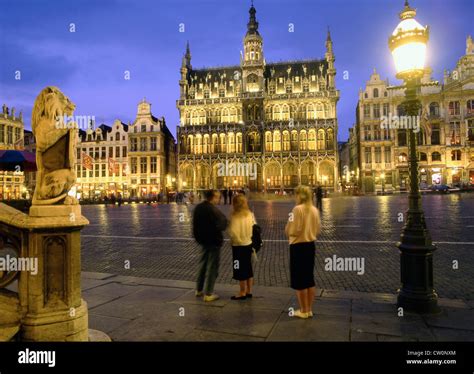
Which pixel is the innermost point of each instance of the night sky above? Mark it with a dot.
(143, 37)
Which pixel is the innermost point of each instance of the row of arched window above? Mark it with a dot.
(274, 141)
(454, 109)
(456, 155)
(278, 112)
(298, 112)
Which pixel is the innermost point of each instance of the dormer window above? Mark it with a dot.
(376, 92)
(366, 95)
(206, 94)
(143, 128)
(221, 92)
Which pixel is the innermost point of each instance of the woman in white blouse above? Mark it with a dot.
(302, 229)
(240, 232)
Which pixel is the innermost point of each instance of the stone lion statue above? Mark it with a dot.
(55, 148)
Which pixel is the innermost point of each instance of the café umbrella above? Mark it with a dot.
(13, 160)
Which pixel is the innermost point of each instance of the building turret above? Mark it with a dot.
(330, 58)
(252, 60)
(185, 69)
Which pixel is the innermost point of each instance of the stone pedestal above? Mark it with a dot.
(50, 303)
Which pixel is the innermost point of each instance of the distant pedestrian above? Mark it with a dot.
(319, 198)
(240, 232)
(302, 229)
(229, 195)
(208, 225)
(224, 195)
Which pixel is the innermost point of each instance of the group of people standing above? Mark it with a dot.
(302, 229)
(228, 192)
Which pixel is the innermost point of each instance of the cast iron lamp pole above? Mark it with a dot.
(417, 294)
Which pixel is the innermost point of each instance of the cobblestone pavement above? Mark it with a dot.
(156, 240)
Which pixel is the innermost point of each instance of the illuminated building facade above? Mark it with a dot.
(12, 183)
(445, 139)
(279, 118)
(136, 160)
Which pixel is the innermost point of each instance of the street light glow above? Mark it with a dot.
(408, 45)
(409, 57)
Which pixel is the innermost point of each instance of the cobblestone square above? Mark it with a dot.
(156, 241)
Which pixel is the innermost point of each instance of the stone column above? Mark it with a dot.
(55, 310)
(47, 306)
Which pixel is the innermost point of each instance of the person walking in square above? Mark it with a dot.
(224, 193)
(302, 229)
(319, 198)
(208, 225)
(229, 195)
(240, 232)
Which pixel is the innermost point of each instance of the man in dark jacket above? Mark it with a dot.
(208, 225)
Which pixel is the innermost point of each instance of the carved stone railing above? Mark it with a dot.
(10, 247)
(40, 268)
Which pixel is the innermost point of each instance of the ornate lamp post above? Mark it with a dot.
(408, 46)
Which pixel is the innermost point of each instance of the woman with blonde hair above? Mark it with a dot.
(303, 226)
(240, 232)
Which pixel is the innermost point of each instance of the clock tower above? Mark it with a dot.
(252, 61)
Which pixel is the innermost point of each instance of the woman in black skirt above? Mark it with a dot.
(302, 229)
(240, 232)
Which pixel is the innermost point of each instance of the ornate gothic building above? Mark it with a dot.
(276, 118)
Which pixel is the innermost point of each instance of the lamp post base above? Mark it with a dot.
(417, 293)
(421, 303)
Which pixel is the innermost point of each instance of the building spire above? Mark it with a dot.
(328, 38)
(188, 51)
(329, 42)
(187, 57)
(252, 25)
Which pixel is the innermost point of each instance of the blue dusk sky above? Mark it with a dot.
(143, 37)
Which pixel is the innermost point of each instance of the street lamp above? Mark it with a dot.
(408, 46)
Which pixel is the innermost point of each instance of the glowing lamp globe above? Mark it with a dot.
(408, 45)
